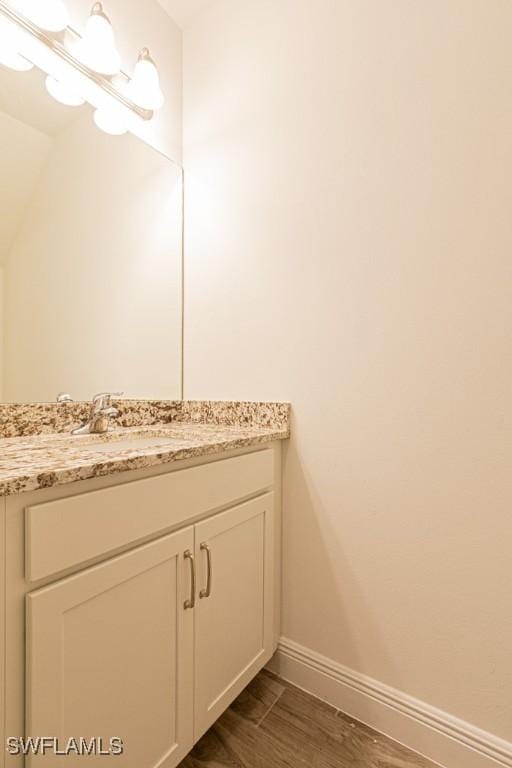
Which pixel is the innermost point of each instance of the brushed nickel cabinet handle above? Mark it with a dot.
(207, 592)
(190, 603)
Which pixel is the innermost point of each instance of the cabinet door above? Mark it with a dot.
(233, 622)
(110, 654)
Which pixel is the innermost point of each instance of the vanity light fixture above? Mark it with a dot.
(51, 15)
(13, 60)
(97, 48)
(63, 92)
(144, 87)
(10, 45)
(111, 119)
(79, 68)
(66, 85)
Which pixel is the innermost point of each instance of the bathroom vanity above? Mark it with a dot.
(140, 601)
(139, 569)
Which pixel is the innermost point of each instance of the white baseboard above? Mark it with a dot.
(445, 739)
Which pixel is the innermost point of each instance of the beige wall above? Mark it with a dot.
(348, 247)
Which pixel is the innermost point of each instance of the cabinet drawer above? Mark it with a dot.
(62, 534)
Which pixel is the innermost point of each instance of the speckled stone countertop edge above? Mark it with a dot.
(188, 429)
(137, 459)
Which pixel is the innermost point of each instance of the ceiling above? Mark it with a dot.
(183, 11)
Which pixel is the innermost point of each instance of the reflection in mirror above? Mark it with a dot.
(90, 254)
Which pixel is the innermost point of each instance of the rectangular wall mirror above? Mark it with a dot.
(90, 254)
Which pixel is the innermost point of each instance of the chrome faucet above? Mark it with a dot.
(101, 411)
(63, 397)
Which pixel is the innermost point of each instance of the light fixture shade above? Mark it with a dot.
(144, 87)
(50, 15)
(63, 92)
(97, 48)
(111, 119)
(10, 46)
(13, 60)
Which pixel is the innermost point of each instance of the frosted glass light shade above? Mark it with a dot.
(13, 60)
(63, 92)
(144, 87)
(50, 15)
(97, 48)
(111, 119)
(11, 41)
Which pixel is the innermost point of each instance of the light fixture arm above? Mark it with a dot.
(59, 49)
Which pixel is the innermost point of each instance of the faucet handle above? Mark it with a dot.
(103, 399)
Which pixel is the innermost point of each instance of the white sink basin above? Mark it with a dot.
(132, 444)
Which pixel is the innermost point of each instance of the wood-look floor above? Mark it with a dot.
(272, 724)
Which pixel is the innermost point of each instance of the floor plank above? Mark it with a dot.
(273, 724)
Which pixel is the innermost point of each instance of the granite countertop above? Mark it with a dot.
(28, 463)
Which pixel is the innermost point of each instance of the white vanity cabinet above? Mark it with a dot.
(139, 605)
(234, 614)
(110, 652)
